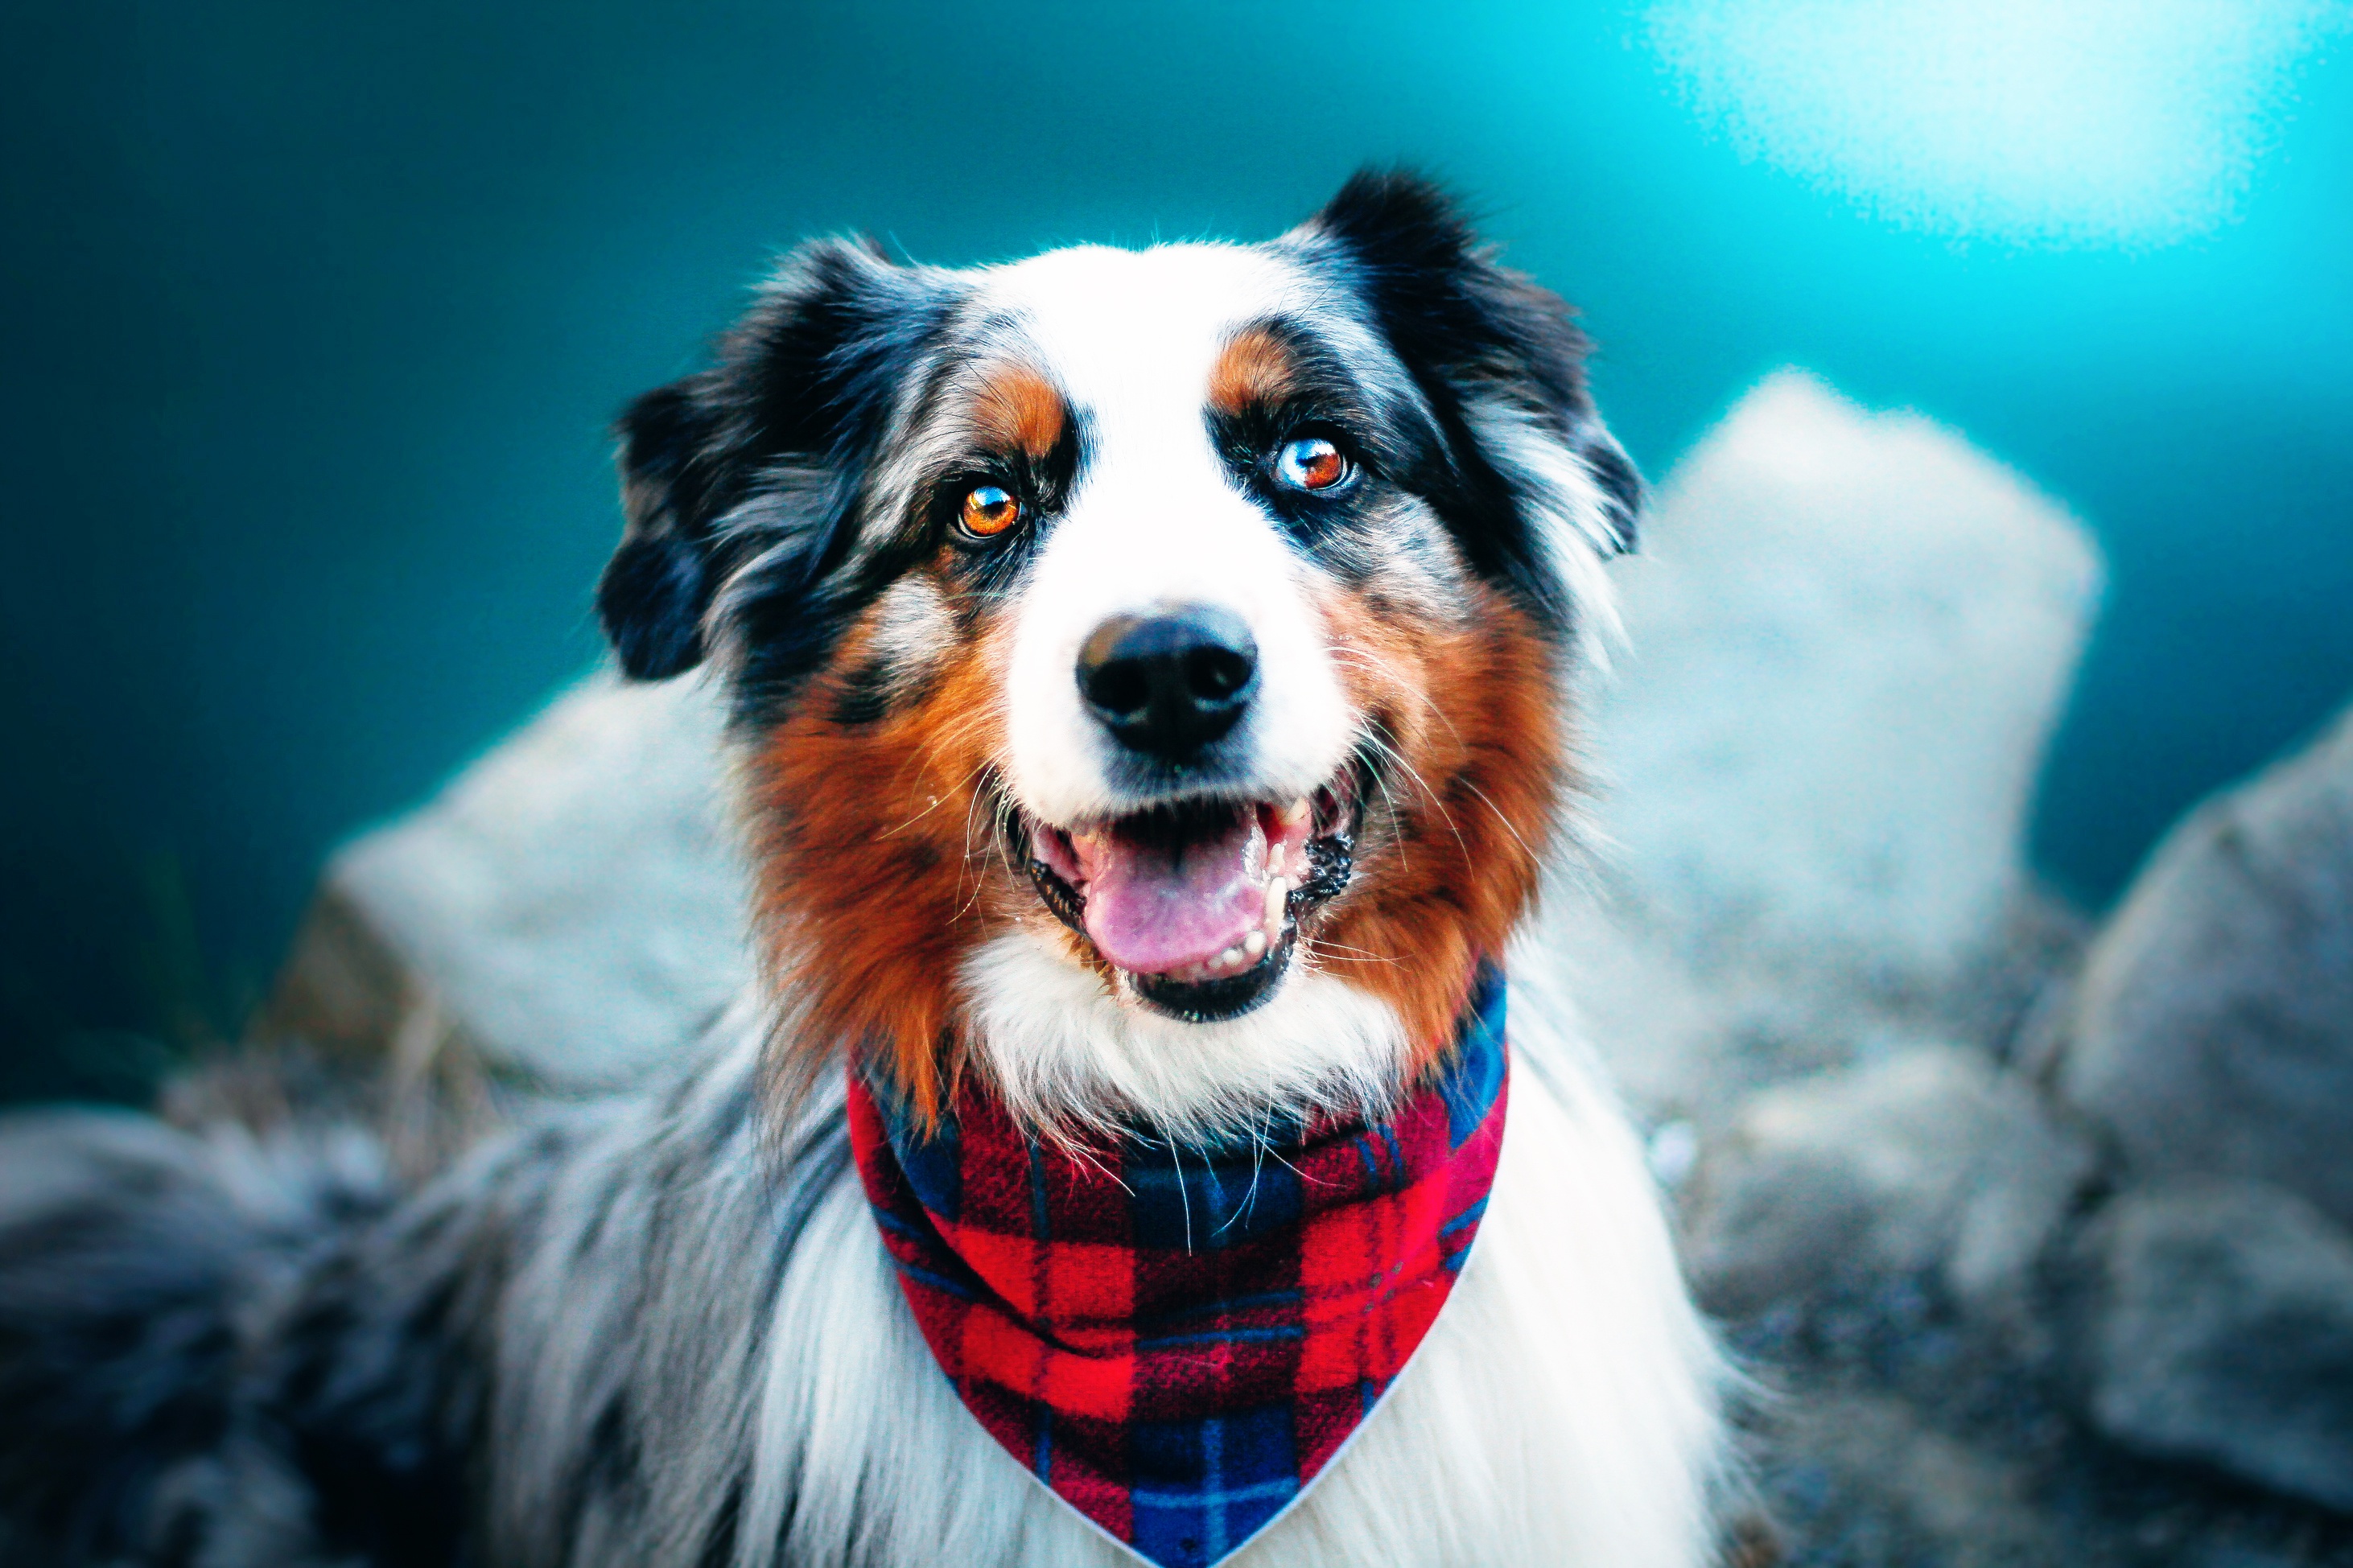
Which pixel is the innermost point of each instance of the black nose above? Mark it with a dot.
(1172, 682)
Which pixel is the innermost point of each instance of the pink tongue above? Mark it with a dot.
(1154, 906)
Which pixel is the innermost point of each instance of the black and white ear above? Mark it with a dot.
(1499, 358)
(656, 587)
(740, 460)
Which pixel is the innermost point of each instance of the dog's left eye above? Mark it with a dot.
(1309, 463)
(988, 510)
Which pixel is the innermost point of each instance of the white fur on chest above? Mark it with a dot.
(1562, 1410)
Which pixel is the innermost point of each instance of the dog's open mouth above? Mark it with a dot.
(1197, 903)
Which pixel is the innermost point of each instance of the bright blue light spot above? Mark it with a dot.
(2131, 123)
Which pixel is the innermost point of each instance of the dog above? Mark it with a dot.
(1152, 679)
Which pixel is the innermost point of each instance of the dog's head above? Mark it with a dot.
(1148, 666)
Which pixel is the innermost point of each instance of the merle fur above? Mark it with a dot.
(220, 1356)
(754, 466)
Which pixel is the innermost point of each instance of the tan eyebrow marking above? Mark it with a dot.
(1017, 409)
(1254, 368)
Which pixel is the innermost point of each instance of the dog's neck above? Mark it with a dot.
(1061, 1052)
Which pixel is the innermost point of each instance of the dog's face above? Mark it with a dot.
(1149, 665)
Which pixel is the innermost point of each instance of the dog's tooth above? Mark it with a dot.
(1275, 861)
(1254, 944)
(1294, 814)
(1277, 892)
(1230, 959)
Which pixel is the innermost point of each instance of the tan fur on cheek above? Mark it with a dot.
(1453, 854)
(875, 854)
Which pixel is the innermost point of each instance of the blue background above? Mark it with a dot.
(313, 319)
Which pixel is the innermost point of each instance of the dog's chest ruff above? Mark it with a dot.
(1176, 1342)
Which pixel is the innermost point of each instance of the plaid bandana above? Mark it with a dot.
(1175, 1342)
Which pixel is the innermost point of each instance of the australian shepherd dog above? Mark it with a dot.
(1153, 682)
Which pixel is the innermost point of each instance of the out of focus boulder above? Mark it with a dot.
(1862, 1478)
(1930, 1161)
(2213, 1030)
(1851, 635)
(564, 913)
(2218, 1326)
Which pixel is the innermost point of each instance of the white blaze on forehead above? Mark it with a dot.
(1142, 329)
(1132, 338)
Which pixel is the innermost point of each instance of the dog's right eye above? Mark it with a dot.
(1310, 463)
(987, 511)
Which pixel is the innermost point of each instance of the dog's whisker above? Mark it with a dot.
(1347, 954)
(1439, 713)
(1414, 776)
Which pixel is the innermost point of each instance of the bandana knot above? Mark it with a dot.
(1175, 1340)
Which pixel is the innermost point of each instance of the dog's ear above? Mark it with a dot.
(748, 457)
(658, 584)
(1499, 357)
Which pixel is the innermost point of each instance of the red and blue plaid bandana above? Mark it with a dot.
(1175, 1342)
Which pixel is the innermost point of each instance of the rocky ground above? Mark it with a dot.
(2036, 1237)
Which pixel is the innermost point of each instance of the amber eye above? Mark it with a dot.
(1309, 463)
(988, 510)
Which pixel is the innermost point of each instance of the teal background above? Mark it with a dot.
(311, 320)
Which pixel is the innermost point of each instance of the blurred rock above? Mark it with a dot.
(2217, 1325)
(1860, 1477)
(1931, 1160)
(2213, 1029)
(565, 911)
(1851, 634)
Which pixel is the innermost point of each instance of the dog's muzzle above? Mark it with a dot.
(1196, 901)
